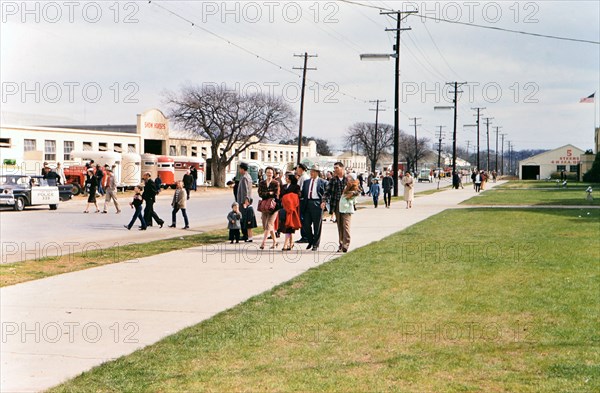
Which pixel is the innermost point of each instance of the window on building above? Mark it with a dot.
(103, 146)
(29, 145)
(131, 148)
(172, 150)
(87, 146)
(280, 156)
(183, 151)
(194, 151)
(4, 142)
(561, 168)
(204, 152)
(268, 155)
(68, 147)
(49, 150)
(118, 148)
(574, 168)
(253, 155)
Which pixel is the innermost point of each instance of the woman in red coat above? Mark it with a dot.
(289, 216)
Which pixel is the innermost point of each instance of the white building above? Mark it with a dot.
(542, 166)
(29, 146)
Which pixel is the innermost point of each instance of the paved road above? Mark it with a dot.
(38, 232)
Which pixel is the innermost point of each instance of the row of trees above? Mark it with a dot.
(375, 141)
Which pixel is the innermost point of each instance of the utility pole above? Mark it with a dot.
(304, 69)
(478, 149)
(400, 16)
(487, 124)
(416, 167)
(510, 157)
(440, 134)
(468, 145)
(502, 164)
(376, 139)
(496, 166)
(456, 86)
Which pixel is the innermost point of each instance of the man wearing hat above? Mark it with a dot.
(302, 176)
(311, 210)
(244, 190)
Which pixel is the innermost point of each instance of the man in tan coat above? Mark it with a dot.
(110, 191)
(179, 203)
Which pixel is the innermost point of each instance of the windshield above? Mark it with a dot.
(13, 180)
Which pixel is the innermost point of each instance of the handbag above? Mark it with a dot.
(267, 205)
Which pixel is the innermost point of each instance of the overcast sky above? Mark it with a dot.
(65, 53)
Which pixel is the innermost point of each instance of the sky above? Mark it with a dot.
(103, 62)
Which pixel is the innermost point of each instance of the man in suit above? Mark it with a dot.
(387, 184)
(149, 196)
(311, 209)
(302, 176)
(244, 190)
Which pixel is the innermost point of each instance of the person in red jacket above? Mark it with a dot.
(289, 217)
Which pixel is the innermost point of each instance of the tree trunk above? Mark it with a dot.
(218, 173)
(373, 165)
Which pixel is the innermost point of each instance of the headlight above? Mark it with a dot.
(7, 191)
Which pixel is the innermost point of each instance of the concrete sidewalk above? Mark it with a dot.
(55, 328)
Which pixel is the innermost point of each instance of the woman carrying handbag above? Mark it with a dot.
(268, 191)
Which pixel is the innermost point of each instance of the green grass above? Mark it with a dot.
(469, 300)
(533, 184)
(533, 196)
(14, 273)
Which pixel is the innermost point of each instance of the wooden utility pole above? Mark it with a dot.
(304, 69)
(376, 137)
(414, 119)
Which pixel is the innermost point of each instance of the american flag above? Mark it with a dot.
(588, 100)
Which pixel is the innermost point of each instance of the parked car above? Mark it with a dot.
(424, 175)
(19, 191)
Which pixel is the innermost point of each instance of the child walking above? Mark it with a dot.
(136, 204)
(249, 218)
(233, 223)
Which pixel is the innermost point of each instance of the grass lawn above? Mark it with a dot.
(532, 184)
(14, 273)
(533, 196)
(508, 303)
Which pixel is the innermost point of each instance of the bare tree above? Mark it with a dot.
(370, 141)
(406, 149)
(232, 122)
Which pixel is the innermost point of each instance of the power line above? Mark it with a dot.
(510, 31)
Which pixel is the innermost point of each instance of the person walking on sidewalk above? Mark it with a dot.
(149, 196)
(388, 185)
(269, 189)
(289, 214)
(375, 190)
(311, 208)
(136, 204)
(302, 176)
(333, 194)
(188, 182)
(233, 223)
(100, 178)
(346, 209)
(409, 191)
(179, 203)
(244, 190)
(111, 192)
(91, 184)
(477, 181)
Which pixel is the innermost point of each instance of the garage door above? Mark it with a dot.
(530, 172)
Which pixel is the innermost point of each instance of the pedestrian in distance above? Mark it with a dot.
(248, 219)
(346, 209)
(289, 217)
(333, 195)
(388, 185)
(409, 189)
(233, 223)
(158, 184)
(91, 184)
(194, 173)
(179, 203)
(111, 192)
(375, 190)
(244, 191)
(302, 175)
(477, 181)
(188, 182)
(61, 173)
(100, 177)
(136, 204)
(149, 196)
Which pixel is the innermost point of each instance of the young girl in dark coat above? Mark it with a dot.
(249, 217)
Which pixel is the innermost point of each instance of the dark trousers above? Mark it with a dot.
(234, 234)
(376, 200)
(387, 197)
(136, 215)
(188, 191)
(477, 187)
(150, 214)
(174, 216)
(312, 222)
